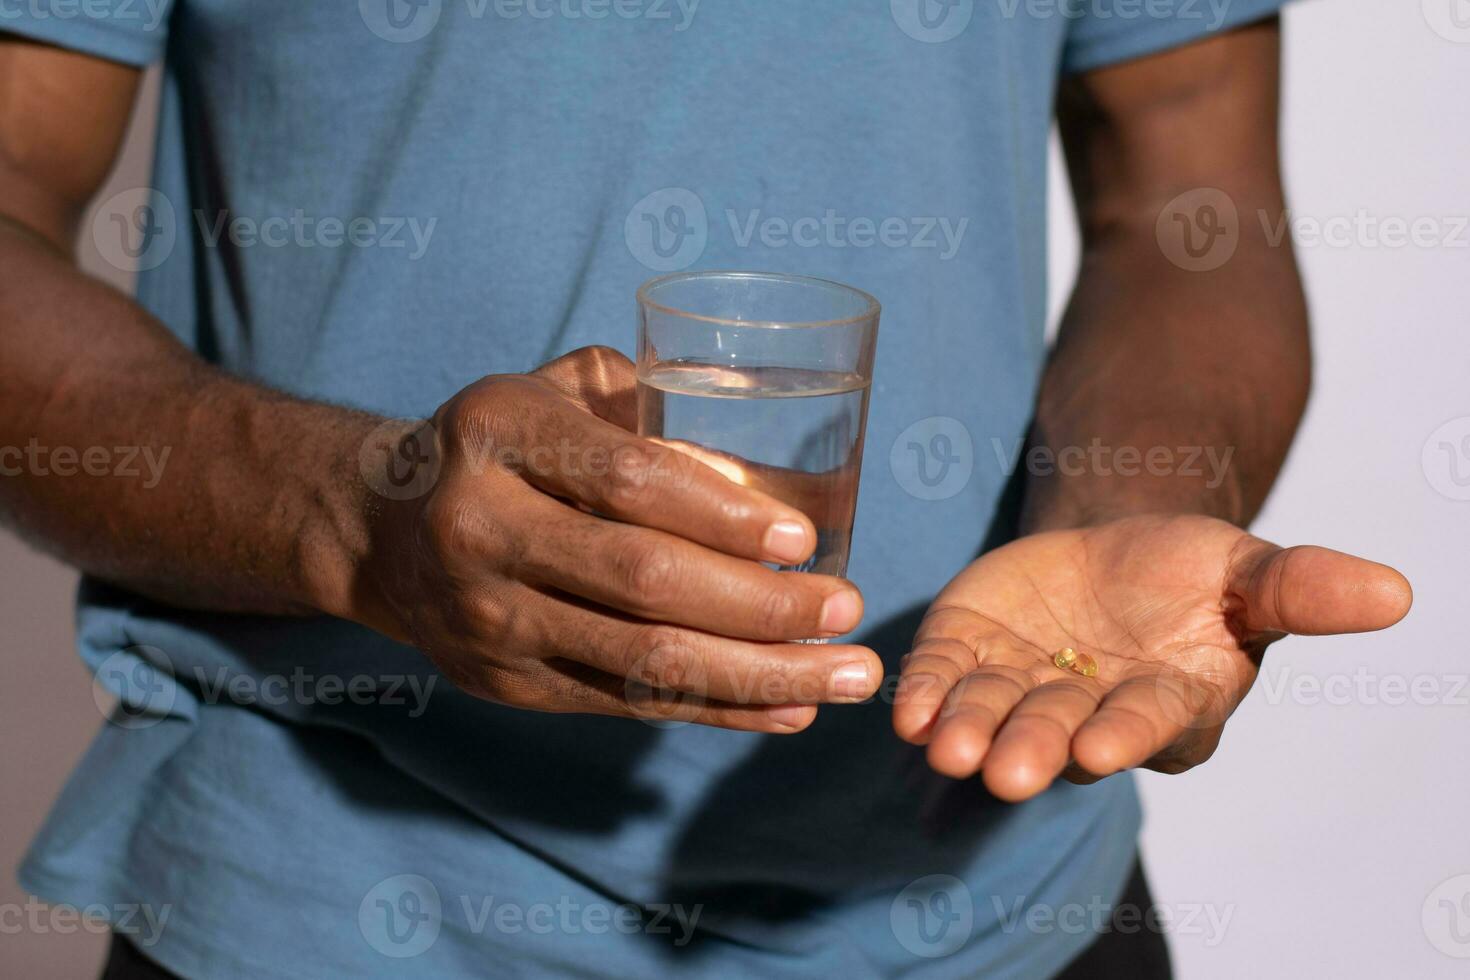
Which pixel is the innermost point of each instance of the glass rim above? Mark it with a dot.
(872, 308)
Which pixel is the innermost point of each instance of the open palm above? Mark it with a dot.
(1175, 610)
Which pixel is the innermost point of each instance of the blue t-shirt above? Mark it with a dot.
(376, 203)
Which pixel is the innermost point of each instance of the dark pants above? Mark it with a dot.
(1130, 953)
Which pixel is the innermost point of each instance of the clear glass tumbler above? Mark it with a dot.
(765, 377)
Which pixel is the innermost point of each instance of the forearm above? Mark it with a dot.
(1181, 375)
(200, 489)
(1184, 388)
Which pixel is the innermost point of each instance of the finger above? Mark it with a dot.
(950, 643)
(826, 497)
(1316, 591)
(568, 453)
(658, 576)
(929, 672)
(1034, 744)
(563, 686)
(1140, 718)
(691, 662)
(598, 379)
(972, 713)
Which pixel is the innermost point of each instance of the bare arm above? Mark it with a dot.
(242, 519)
(1152, 355)
(496, 568)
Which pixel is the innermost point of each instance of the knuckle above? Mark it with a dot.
(661, 656)
(489, 418)
(648, 573)
(490, 618)
(466, 418)
(599, 357)
(451, 525)
(627, 478)
(1014, 677)
(782, 609)
(505, 686)
(734, 505)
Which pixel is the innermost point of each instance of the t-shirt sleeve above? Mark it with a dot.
(1101, 32)
(129, 31)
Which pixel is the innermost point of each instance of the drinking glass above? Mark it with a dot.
(764, 377)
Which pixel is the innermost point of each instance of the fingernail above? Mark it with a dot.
(792, 716)
(786, 541)
(851, 681)
(841, 611)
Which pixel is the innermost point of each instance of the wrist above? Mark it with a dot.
(384, 473)
(343, 507)
(1051, 509)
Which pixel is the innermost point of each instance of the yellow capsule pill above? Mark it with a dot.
(1065, 658)
(1085, 665)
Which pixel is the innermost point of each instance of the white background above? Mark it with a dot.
(1329, 815)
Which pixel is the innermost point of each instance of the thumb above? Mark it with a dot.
(598, 379)
(1316, 591)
